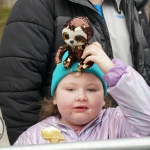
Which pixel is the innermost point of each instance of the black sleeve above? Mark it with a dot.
(24, 58)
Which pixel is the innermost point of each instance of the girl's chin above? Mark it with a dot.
(82, 120)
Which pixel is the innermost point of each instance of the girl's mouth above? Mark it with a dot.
(80, 109)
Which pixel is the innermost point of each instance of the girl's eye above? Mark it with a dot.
(70, 89)
(91, 90)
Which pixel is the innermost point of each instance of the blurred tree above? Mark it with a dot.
(5, 8)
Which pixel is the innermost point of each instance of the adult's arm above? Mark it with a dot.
(25, 53)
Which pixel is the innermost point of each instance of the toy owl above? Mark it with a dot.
(76, 34)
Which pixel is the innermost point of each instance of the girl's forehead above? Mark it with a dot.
(81, 79)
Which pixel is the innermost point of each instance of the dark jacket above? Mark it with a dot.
(30, 40)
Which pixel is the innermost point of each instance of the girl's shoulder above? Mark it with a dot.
(33, 134)
(49, 121)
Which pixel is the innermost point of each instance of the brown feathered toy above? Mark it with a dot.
(76, 33)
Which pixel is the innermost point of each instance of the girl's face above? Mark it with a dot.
(79, 98)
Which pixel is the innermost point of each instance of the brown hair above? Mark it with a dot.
(49, 109)
(109, 101)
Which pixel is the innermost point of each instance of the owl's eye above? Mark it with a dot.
(78, 38)
(65, 36)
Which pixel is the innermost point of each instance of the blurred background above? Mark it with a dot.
(5, 8)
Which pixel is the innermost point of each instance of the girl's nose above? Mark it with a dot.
(81, 96)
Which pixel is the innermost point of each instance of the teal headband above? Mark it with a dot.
(60, 72)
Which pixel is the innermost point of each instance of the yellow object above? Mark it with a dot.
(53, 135)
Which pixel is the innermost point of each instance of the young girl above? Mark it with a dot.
(78, 99)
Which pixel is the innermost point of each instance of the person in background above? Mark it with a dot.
(78, 99)
(32, 36)
(144, 16)
(147, 11)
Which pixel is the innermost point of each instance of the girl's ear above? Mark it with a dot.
(103, 103)
(54, 101)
